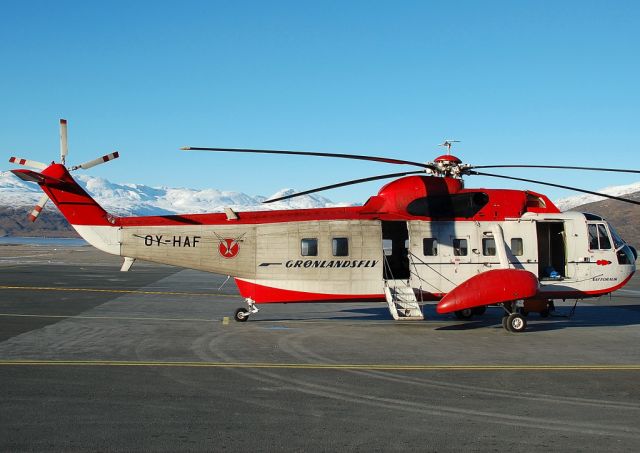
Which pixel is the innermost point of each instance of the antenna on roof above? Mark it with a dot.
(448, 144)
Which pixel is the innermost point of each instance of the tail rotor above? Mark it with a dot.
(64, 151)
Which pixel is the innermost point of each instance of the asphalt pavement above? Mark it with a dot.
(93, 359)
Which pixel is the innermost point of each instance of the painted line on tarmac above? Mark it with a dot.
(262, 324)
(319, 366)
(119, 318)
(118, 291)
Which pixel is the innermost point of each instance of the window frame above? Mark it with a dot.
(302, 242)
(601, 232)
(486, 248)
(455, 249)
(333, 245)
(433, 247)
(521, 240)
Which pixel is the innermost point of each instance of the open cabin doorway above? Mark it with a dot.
(395, 248)
(552, 254)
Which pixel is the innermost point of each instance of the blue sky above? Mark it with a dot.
(546, 82)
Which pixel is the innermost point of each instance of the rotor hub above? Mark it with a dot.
(448, 165)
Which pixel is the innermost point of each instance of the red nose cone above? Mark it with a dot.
(448, 158)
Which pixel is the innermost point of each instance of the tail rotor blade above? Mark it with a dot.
(33, 215)
(28, 163)
(63, 141)
(98, 161)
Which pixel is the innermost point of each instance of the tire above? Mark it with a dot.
(504, 322)
(516, 323)
(479, 311)
(467, 313)
(241, 315)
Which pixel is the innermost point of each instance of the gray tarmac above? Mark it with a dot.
(92, 359)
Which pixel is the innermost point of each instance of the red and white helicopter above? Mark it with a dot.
(423, 237)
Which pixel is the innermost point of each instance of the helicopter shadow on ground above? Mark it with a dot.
(358, 314)
(584, 316)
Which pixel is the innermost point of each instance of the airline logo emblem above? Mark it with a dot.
(229, 247)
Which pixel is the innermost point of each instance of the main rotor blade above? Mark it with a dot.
(342, 184)
(63, 141)
(562, 167)
(626, 200)
(28, 163)
(386, 160)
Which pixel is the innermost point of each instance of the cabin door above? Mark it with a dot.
(552, 261)
(395, 248)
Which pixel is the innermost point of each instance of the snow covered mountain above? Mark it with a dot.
(565, 204)
(138, 199)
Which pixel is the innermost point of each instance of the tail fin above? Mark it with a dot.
(74, 203)
(88, 218)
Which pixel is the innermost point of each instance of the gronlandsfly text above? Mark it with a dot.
(331, 263)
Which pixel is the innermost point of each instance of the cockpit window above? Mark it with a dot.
(605, 243)
(617, 240)
(598, 237)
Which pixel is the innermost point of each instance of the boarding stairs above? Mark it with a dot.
(402, 301)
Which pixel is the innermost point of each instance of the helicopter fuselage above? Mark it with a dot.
(352, 253)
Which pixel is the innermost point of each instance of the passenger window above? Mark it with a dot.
(430, 247)
(340, 246)
(517, 246)
(460, 247)
(309, 247)
(488, 247)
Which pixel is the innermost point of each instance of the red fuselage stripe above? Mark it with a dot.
(261, 294)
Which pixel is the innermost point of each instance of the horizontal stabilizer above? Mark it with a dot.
(34, 176)
(491, 287)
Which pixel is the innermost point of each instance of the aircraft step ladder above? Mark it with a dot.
(402, 301)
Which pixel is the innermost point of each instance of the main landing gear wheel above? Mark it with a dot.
(515, 323)
(241, 315)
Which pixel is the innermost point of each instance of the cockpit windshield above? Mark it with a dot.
(617, 240)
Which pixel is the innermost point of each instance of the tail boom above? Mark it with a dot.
(87, 217)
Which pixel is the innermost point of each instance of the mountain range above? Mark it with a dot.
(18, 197)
